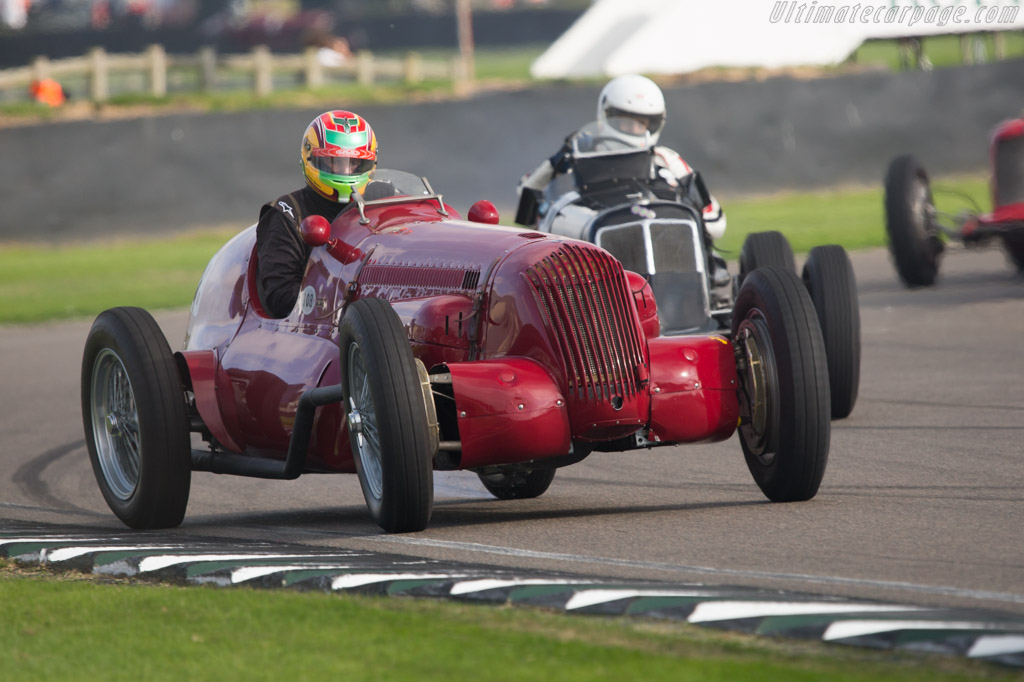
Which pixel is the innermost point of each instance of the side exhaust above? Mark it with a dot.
(291, 467)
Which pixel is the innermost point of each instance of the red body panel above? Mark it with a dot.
(509, 410)
(517, 317)
(693, 385)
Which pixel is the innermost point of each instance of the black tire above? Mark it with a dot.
(136, 420)
(909, 222)
(785, 406)
(518, 485)
(391, 443)
(828, 276)
(1014, 244)
(762, 249)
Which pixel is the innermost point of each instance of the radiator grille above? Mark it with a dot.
(583, 295)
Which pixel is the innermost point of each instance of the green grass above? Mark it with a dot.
(82, 629)
(853, 218)
(942, 51)
(39, 283)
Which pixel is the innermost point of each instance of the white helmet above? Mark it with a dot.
(633, 97)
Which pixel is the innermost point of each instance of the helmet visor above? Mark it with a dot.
(342, 165)
(630, 123)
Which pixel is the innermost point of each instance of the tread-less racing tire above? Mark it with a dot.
(828, 276)
(136, 420)
(518, 485)
(785, 406)
(387, 419)
(913, 237)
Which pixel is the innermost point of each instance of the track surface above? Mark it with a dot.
(921, 502)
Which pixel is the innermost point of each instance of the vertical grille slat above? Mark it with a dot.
(608, 318)
(597, 329)
(580, 292)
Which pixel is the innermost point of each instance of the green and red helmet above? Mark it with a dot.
(339, 154)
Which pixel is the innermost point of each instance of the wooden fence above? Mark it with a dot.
(261, 65)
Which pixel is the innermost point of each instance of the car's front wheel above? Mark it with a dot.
(136, 421)
(784, 398)
(914, 239)
(518, 485)
(387, 418)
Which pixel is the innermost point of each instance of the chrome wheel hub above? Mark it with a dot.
(115, 424)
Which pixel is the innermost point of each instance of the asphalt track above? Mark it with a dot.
(921, 502)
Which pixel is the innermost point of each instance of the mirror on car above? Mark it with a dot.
(484, 211)
(315, 230)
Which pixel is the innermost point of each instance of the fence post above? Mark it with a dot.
(99, 85)
(264, 76)
(207, 68)
(413, 68)
(999, 45)
(314, 69)
(364, 67)
(462, 82)
(157, 70)
(40, 68)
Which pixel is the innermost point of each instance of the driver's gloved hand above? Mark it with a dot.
(560, 161)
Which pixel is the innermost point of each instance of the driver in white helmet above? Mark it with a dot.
(635, 107)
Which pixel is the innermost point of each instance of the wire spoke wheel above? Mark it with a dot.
(135, 419)
(362, 424)
(386, 417)
(115, 424)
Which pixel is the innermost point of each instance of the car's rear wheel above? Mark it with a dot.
(913, 236)
(784, 398)
(761, 249)
(828, 276)
(518, 485)
(387, 420)
(136, 420)
(1014, 244)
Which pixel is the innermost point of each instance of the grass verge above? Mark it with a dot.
(79, 628)
(44, 282)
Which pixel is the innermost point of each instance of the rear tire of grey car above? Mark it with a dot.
(785, 406)
(386, 417)
(136, 420)
(828, 276)
(518, 485)
(761, 249)
(914, 240)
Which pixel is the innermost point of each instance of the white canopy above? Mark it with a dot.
(678, 36)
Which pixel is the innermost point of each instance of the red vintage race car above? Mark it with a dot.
(421, 342)
(916, 229)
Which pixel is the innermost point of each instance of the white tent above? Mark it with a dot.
(679, 36)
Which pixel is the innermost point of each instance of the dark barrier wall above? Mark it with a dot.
(88, 179)
(490, 29)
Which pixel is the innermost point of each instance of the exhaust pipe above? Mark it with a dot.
(298, 445)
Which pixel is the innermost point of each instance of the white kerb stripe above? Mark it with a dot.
(585, 598)
(485, 584)
(65, 553)
(860, 628)
(241, 575)
(155, 563)
(52, 538)
(996, 645)
(711, 611)
(344, 582)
